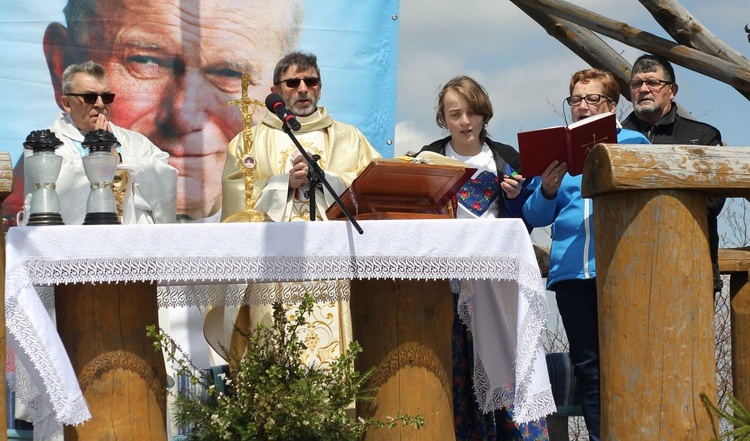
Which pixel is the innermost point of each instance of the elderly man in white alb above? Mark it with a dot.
(86, 100)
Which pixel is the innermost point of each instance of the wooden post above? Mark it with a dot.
(122, 377)
(740, 316)
(6, 188)
(654, 282)
(404, 328)
(736, 262)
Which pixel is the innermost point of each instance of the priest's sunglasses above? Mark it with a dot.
(293, 83)
(593, 98)
(90, 98)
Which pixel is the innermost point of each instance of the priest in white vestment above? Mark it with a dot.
(280, 189)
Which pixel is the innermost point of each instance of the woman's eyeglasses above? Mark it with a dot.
(592, 99)
(293, 83)
(90, 98)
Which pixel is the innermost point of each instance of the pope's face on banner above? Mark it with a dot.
(174, 65)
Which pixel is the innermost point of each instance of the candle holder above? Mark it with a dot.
(44, 168)
(100, 165)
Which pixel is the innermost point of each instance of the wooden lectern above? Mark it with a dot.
(404, 326)
(394, 189)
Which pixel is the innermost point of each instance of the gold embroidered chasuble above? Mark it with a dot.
(343, 152)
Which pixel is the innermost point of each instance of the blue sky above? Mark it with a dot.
(526, 71)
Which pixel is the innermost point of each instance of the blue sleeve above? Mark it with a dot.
(627, 136)
(538, 211)
(514, 207)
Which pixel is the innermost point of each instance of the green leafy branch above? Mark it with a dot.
(272, 395)
(739, 418)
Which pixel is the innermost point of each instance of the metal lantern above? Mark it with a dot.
(100, 165)
(43, 166)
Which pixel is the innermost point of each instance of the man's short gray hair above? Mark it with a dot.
(95, 70)
(78, 14)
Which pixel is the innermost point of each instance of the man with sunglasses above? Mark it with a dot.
(280, 176)
(86, 100)
(657, 116)
(280, 189)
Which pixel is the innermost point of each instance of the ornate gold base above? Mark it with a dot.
(249, 216)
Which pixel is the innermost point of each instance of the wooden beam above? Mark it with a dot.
(724, 71)
(584, 43)
(681, 25)
(714, 170)
(734, 260)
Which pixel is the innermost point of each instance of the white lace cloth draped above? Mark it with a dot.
(204, 254)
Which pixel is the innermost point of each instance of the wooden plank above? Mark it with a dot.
(734, 260)
(714, 170)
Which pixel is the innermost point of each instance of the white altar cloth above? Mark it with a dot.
(178, 255)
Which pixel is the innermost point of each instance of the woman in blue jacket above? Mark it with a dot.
(556, 199)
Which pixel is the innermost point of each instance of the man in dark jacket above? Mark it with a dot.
(653, 88)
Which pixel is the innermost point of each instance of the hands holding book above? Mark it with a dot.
(552, 178)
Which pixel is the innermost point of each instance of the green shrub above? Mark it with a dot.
(271, 394)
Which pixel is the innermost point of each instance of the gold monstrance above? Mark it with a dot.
(247, 163)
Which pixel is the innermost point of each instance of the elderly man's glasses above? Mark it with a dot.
(651, 84)
(293, 83)
(90, 98)
(593, 98)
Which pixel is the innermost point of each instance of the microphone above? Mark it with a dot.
(275, 103)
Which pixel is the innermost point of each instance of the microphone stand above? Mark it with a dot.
(316, 176)
(312, 185)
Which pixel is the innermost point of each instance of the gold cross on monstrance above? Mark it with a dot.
(247, 163)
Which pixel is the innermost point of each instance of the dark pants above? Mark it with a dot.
(576, 300)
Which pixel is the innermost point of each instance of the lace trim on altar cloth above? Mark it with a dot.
(169, 296)
(47, 411)
(206, 270)
(31, 409)
(530, 404)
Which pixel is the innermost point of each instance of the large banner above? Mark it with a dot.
(174, 65)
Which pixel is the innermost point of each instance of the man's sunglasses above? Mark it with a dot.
(90, 98)
(293, 83)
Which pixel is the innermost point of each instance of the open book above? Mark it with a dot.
(571, 144)
(428, 157)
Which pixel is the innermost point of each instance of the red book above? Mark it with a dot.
(571, 144)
